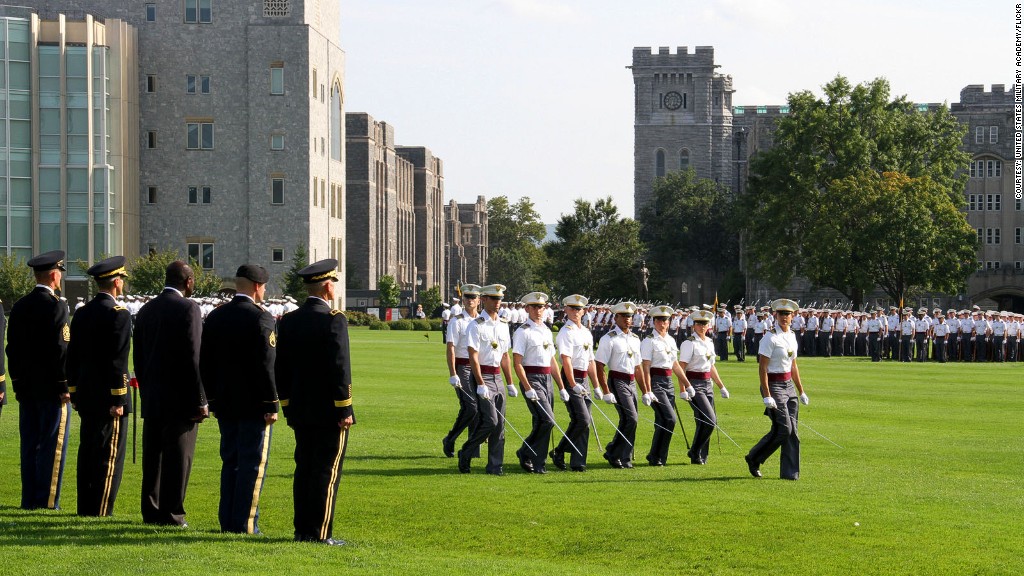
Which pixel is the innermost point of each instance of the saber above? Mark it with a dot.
(707, 421)
(613, 425)
(504, 421)
(681, 427)
(646, 419)
(592, 423)
(818, 433)
(564, 435)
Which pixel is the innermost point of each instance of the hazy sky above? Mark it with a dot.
(532, 97)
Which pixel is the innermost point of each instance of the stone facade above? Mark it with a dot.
(428, 200)
(466, 226)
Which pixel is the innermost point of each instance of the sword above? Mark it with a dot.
(504, 420)
(681, 427)
(134, 383)
(553, 421)
(818, 433)
(707, 421)
(613, 425)
(594, 424)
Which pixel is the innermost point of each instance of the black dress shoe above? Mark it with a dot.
(614, 462)
(558, 459)
(331, 542)
(752, 466)
(655, 461)
(523, 462)
(464, 463)
(580, 468)
(540, 470)
(499, 471)
(698, 461)
(627, 464)
(448, 447)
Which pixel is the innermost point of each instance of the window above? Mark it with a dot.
(200, 195)
(999, 168)
(198, 11)
(277, 141)
(190, 88)
(992, 265)
(277, 190)
(1017, 236)
(151, 139)
(993, 134)
(204, 84)
(684, 159)
(277, 78)
(314, 83)
(150, 12)
(277, 254)
(991, 169)
(1018, 265)
(150, 83)
(980, 238)
(202, 254)
(151, 195)
(323, 146)
(994, 202)
(992, 235)
(659, 164)
(200, 135)
(1017, 204)
(315, 203)
(972, 201)
(981, 168)
(979, 135)
(194, 83)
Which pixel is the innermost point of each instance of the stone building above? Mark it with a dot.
(241, 128)
(428, 202)
(466, 226)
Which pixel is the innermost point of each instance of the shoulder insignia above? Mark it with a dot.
(66, 332)
(119, 308)
(335, 312)
(480, 320)
(272, 340)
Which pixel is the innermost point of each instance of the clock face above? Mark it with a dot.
(673, 100)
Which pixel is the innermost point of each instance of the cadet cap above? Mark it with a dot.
(624, 308)
(702, 316)
(575, 300)
(470, 290)
(662, 312)
(494, 290)
(784, 305)
(535, 298)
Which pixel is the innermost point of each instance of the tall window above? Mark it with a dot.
(277, 141)
(337, 120)
(202, 253)
(200, 195)
(659, 163)
(277, 78)
(684, 159)
(150, 12)
(972, 201)
(200, 135)
(198, 11)
(151, 139)
(150, 83)
(994, 202)
(151, 195)
(979, 135)
(277, 190)
(1018, 236)
(993, 134)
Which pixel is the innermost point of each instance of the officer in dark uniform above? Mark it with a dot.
(315, 383)
(101, 335)
(236, 363)
(37, 343)
(3, 360)
(168, 330)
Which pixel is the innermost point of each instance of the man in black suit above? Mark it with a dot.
(37, 343)
(237, 367)
(168, 332)
(315, 383)
(101, 334)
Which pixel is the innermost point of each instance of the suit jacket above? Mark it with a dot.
(314, 377)
(168, 330)
(37, 344)
(101, 333)
(236, 360)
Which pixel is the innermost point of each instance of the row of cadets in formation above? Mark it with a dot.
(134, 302)
(235, 365)
(622, 365)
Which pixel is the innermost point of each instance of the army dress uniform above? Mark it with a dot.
(723, 327)
(534, 348)
(620, 352)
(37, 339)
(236, 361)
(462, 379)
(697, 359)
(3, 359)
(101, 335)
(661, 352)
(576, 343)
(739, 331)
(314, 381)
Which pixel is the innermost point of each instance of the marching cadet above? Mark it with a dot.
(460, 375)
(37, 339)
(1012, 330)
(907, 327)
(236, 361)
(697, 362)
(314, 379)
(939, 331)
(751, 317)
(168, 334)
(839, 334)
(533, 357)
(892, 322)
(576, 348)
(780, 387)
(799, 323)
(966, 336)
(874, 328)
(998, 336)
(619, 351)
(446, 316)
(488, 342)
(828, 324)
(810, 339)
(850, 337)
(723, 328)
(982, 330)
(739, 332)
(953, 339)
(861, 345)
(658, 354)
(101, 336)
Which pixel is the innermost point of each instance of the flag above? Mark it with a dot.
(715, 306)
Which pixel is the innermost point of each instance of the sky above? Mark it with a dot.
(533, 97)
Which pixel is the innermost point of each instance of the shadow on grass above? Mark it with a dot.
(24, 530)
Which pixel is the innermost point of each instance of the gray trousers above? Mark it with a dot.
(703, 406)
(466, 418)
(490, 424)
(578, 429)
(664, 417)
(535, 447)
(625, 398)
(783, 432)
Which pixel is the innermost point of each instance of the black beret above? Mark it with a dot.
(47, 261)
(113, 266)
(257, 274)
(320, 271)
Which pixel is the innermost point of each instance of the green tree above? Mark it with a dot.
(514, 256)
(388, 290)
(16, 279)
(146, 274)
(794, 226)
(292, 283)
(595, 252)
(430, 299)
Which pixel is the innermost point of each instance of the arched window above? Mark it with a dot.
(684, 159)
(337, 118)
(659, 163)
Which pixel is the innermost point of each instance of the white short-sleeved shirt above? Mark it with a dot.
(759, 327)
(921, 325)
(940, 329)
(998, 328)
(697, 353)
(534, 343)
(907, 327)
(490, 338)
(722, 324)
(873, 325)
(812, 323)
(660, 350)
(828, 323)
(954, 325)
(619, 351)
(739, 325)
(457, 334)
(577, 343)
(780, 348)
(798, 323)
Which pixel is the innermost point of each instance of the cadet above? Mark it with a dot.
(780, 385)
(697, 362)
(37, 339)
(314, 379)
(907, 327)
(237, 366)
(101, 336)
(940, 330)
(619, 350)
(576, 347)
(739, 331)
(875, 332)
(460, 376)
(723, 328)
(659, 354)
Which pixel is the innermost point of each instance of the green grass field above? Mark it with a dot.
(931, 470)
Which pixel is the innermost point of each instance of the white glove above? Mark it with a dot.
(530, 394)
(691, 392)
(512, 391)
(598, 394)
(455, 382)
(769, 402)
(564, 394)
(580, 389)
(609, 398)
(483, 392)
(684, 395)
(725, 393)
(804, 399)
(647, 399)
